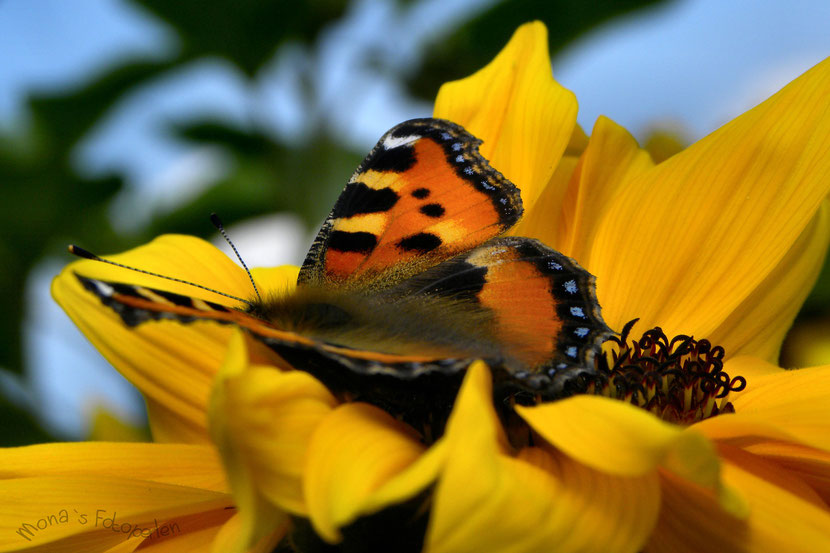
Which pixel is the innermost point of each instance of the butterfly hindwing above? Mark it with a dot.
(140, 304)
(544, 305)
(389, 381)
(137, 305)
(423, 195)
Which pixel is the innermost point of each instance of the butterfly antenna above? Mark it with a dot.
(80, 252)
(214, 218)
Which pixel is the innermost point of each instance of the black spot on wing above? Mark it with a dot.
(432, 210)
(397, 160)
(422, 242)
(358, 242)
(461, 150)
(358, 198)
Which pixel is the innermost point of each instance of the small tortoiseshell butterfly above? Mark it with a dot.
(410, 280)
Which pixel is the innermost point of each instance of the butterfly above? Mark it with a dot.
(410, 279)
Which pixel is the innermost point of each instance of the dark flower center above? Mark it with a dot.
(679, 380)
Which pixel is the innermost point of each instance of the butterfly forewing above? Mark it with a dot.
(423, 195)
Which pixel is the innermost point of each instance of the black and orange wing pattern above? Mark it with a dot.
(544, 307)
(416, 237)
(389, 381)
(423, 195)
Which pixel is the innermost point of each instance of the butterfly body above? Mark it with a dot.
(377, 322)
(410, 280)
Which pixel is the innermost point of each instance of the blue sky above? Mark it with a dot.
(695, 64)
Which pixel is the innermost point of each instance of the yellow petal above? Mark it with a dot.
(777, 405)
(690, 520)
(662, 143)
(758, 325)
(108, 427)
(581, 189)
(595, 511)
(540, 222)
(812, 466)
(524, 117)
(617, 438)
(611, 158)
(577, 143)
(529, 504)
(792, 402)
(73, 510)
(742, 427)
(353, 453)
(176, 424)
(488, 500)
(475, 438)
(158, 357)
(276, 281)
(178, 256)
(262, 420)
(194, 466)
(750, 368)
(234, 535)
(692, 238)
(203, 531)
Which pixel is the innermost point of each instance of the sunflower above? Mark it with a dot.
(693, 439)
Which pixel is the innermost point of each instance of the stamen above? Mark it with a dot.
(680, 380)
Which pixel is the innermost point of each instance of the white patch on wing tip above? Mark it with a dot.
(392, 142)
(103, 288)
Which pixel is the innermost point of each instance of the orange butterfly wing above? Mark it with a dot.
(422, 216)
(543, 303)
(423, 195)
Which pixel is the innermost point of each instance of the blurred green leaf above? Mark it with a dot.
(266, 177)
(218, 133)
(817, 303)
(45, 202)
(246, 32)
(44, 206)
(61, 120)
(19, 427)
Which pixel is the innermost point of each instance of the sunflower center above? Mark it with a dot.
(679, 380)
